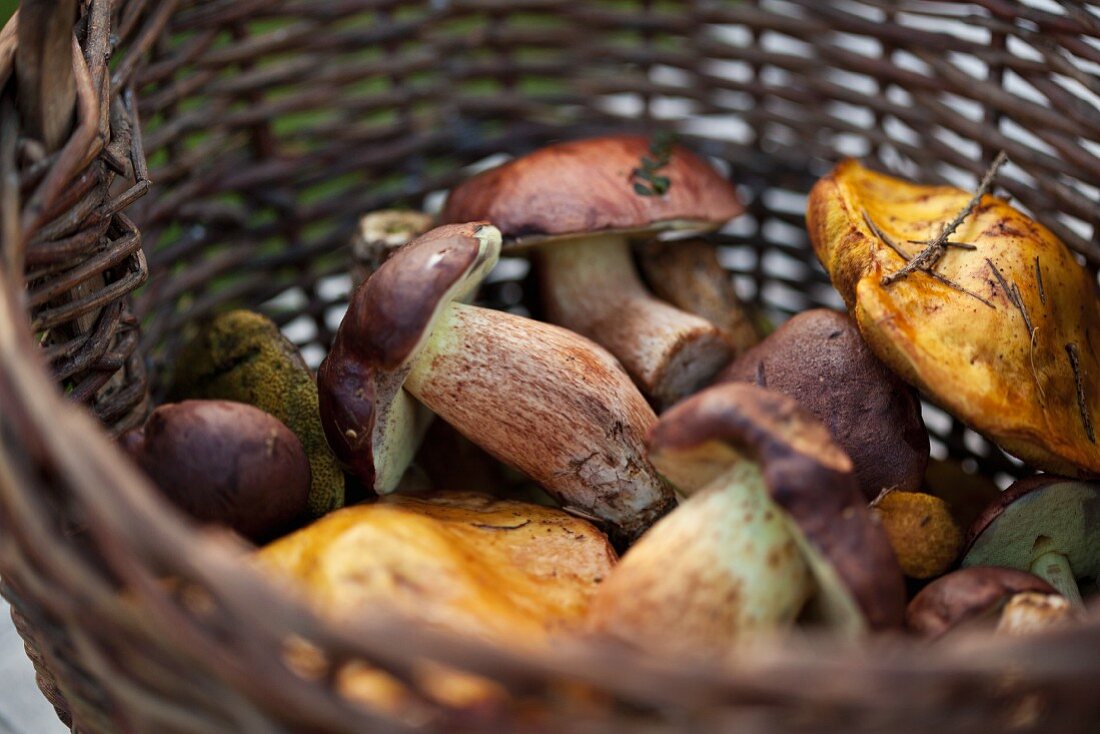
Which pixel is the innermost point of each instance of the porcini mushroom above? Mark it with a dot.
(226, 463)
(1047, 525)
(819, 359)
(688, 275)
(579, 203)
(1020, 601)
(538, 397)
(1003, 331)
(774, 519)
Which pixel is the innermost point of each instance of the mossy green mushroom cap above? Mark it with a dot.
(242, 356)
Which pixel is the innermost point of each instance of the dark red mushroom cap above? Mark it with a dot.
(965, 595)
(588, 186)
(225, 462)
(819, 358)
(808, 476)
(389, 318)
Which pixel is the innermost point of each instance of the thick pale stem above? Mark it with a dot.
(722, 568)
(590, 286)
(689, 276)
(551, 404)
(1054, 568)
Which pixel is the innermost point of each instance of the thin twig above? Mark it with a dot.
(1074, 361)
(1039, 280)
(952, 284)
(927, 258)
(1012, 293)
(960, 245)
(889, 242)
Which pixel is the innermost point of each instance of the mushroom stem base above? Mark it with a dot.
(1054, 568)
(590, 286)
(722, 569)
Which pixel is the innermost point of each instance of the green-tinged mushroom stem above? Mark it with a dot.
(722, 568)
(1054, 568)
(550, 403)
(590, 285)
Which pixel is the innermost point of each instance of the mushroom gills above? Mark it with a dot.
(590, 285)
(722, 567)
(1050, 532)
(549, 403)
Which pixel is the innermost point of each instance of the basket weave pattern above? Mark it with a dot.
(268, 126)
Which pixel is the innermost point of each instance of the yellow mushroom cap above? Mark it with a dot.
(924, 535)
(1006, 336)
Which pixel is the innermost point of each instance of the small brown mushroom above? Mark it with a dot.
(225, 462)
(538, 397)
(819, 358)
(579, 202)
(1045, 524)
(688, 275)
(1020, 601)
(774, 518)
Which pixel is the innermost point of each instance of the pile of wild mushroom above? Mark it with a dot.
(497, 465)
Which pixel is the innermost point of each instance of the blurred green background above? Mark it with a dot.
(7, 7)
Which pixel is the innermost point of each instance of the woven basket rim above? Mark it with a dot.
(140, 532)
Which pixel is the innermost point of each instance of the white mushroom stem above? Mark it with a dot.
(1030, 611)
(1054, 568)
(550, 403)
(590, 286)
(723, 567)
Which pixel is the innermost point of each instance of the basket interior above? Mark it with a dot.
(270, 126)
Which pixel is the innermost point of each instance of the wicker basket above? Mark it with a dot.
(268, 125)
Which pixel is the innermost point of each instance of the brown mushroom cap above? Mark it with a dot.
(808, 476)
(225, 462)
(819, 358)
(965, 595)
(587, 186)
(365, 415)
